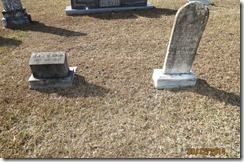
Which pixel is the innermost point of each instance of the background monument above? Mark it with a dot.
(14, 15)
(79, 7)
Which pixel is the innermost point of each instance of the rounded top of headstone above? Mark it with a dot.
(199, 6)
(207, 2)
(193, 8)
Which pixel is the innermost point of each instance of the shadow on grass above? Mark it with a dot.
(9, 42)
(151, 13)
(80, 88)
(203, 88)
(40, 27)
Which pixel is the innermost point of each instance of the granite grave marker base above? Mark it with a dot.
(16, 19)
(81, 7)
(50, 69)
(168, 81)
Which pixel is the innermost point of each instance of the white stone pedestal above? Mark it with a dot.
(164, 81)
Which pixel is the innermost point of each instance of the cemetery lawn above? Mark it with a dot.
(113, 109)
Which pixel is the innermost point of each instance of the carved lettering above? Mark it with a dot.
(108, 3)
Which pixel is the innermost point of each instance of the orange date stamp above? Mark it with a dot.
(206, 151)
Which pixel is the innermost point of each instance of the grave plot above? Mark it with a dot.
(112, 109)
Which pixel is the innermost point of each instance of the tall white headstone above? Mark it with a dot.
(187, 31)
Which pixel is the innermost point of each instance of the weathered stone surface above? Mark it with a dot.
(14, 15)
(188, 28)
(50, 69)
(207, 2)
(166, 81)
(53, 82)
(49, 65)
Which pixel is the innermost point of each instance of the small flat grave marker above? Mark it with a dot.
(50, 69)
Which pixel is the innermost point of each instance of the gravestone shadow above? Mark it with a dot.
(203, 88)
(80, 88)
(151, 13)
(157, 12)
(40, 27)
(9, 42)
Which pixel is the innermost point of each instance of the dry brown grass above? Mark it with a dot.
(113, 110)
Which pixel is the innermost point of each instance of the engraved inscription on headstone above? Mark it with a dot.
(187, 31)
(49, 64)
(109, 3)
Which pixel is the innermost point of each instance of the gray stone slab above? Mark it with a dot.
(82, 4)
(53, 82)
(168, 81)
(187, 31)
(49, 64)
(72, 12)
